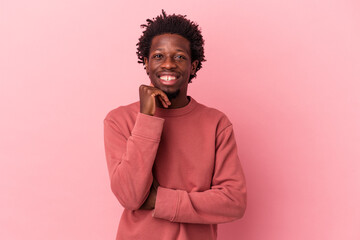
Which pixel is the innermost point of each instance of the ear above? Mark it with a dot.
(194, 65)
(146, 65)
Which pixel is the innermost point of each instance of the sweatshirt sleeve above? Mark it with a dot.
(225, 201)
(130, 158)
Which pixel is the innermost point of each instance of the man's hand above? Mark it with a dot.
(149, 204)
(148, 96)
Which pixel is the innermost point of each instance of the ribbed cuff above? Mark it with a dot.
(148, 126)
(167, 203)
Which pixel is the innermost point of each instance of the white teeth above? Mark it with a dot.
(167, 78)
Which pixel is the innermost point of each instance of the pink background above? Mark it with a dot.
(285, 72)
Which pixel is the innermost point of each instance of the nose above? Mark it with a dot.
(168, 63)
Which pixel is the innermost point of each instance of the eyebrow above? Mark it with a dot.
(160, 49)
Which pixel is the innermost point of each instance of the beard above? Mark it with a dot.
(172, 95)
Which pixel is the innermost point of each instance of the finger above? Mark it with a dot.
(163, 102)
(159, 96)
(167, 101)
(165, 98)
(163, 95)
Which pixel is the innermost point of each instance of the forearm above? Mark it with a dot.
(131, 179)
(130, 159)
(217, 205)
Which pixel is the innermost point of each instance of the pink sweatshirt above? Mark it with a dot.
(192, 153)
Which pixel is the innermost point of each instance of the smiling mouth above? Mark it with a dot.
(167, 78)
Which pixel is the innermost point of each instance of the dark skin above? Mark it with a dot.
(169, 67)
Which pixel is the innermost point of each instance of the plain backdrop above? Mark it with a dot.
(286, 73)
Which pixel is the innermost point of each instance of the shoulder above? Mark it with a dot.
(124, 113)
(213, 115)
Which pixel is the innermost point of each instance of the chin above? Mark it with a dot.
(172, 95)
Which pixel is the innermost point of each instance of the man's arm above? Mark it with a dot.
(130, 160)
(225, 201)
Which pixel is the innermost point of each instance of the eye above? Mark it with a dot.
(180, 57)
(157, 56)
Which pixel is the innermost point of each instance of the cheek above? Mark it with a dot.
(153, 67)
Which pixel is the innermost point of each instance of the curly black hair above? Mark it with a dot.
(176, 24)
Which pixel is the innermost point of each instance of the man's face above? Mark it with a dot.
(169, 64)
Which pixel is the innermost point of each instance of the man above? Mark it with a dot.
(172, 161)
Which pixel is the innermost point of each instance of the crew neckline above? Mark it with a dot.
(173, 112)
